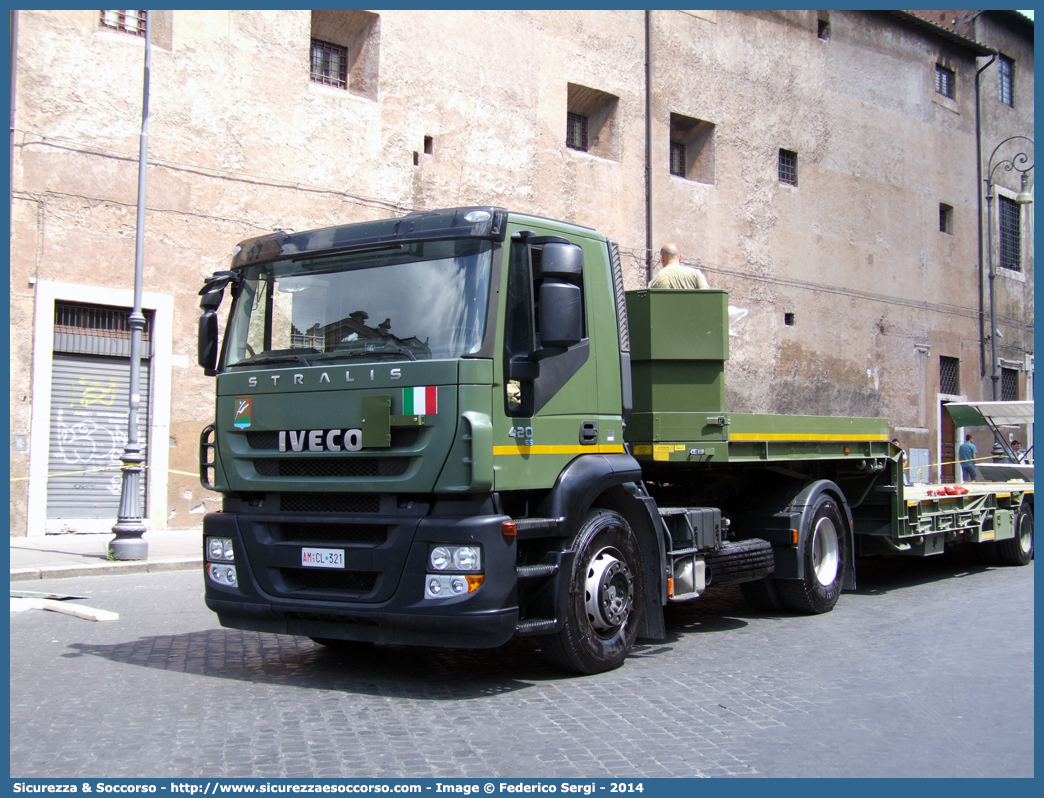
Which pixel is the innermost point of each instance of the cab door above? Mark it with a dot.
(546, 400)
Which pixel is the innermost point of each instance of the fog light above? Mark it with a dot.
(435, 586)
(222, 574)
(446, 586)
(459, 584)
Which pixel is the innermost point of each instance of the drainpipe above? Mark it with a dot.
(14, 81)
(978, 200)
(648, 147)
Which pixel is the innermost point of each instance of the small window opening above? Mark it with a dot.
(1010, 234)
(677, 159)
(416, 158)
(329, 64)
(1007, 81)
(945, 218)
(429, 144)
(1009, 385)
(788, 167)
(788, 319)
(824, 29)
(949, 376)
(944, 81)
(132, 22)
(576, 132)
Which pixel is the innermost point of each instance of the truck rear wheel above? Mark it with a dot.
(825, 556)
(606, 586)
(1019, 549)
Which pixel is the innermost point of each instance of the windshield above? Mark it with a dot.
(414, 301)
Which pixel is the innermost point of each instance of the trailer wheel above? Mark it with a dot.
(1019, 549)
(762, 595)
(825, 555)
(605, 589)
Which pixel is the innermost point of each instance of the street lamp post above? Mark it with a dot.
(1023, 164)
(129, 528)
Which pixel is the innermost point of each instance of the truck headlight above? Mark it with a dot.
(455, 558)
(220, 550)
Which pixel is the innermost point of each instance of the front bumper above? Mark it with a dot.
(387, 604)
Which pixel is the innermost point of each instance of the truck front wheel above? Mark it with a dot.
(825, 555)
(606, 586)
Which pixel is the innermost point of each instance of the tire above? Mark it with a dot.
(825, 559)
(762, 595)
(606, 587)
(1019, 549)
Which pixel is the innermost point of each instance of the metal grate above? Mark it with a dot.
(330, 503)
(1009, 386)
(677, 159)
(788, 167)
(945, 218)
(126, 21)
(336, 533)
(944, 81)
(357, 582)
(1007, 81)
(949, 376)
(108, 322)
(333, 467)
(329, 64)
(576, 131)
(1010, 234)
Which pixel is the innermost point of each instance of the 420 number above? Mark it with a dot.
(526, 433)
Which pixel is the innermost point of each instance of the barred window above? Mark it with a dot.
(576, 131)
(788, 167)
(329, 64)
(1007, 80)
(945, 218)
(1010, 234)
(677, 159)
(1009, 386)
(126, 21)
(949, 376)
(944, 81)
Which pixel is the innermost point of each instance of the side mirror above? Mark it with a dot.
(561, 314)
(560, 260)
(207, 344)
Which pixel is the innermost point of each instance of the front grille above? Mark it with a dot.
(335, 533)
(401, 438)
(357, 582)
(263, 440)
(333, 467)
(330, 503)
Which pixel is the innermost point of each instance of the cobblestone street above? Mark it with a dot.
(927, 670)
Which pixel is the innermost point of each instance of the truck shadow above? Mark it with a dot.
(877, 576)
(377, 670)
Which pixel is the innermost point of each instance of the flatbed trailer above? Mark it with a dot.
(522, 448)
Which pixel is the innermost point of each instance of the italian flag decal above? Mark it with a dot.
(420, 401)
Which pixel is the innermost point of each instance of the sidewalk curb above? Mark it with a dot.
(107, 569)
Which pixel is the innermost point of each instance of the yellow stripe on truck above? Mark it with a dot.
(499, 451)
(799, 438)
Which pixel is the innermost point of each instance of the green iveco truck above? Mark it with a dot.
(456, 427)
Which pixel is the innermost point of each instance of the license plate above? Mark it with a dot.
(322, 558)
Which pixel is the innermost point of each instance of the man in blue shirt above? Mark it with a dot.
(966, 454)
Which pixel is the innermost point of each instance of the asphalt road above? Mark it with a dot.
(927, 670)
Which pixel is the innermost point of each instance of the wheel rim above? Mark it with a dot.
(609, 591)
(1025, 534)
(825, 549)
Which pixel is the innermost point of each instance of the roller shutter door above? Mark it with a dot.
(89, 395)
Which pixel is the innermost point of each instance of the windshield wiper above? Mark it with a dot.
(367, 353)
(260, 361)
